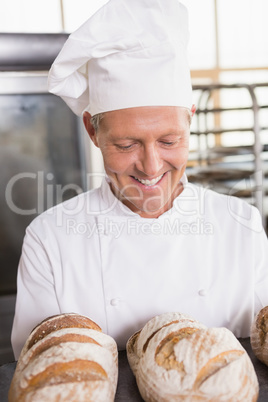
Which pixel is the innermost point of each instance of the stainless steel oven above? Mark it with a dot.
(42, 154)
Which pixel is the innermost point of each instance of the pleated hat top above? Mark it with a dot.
(130, 53)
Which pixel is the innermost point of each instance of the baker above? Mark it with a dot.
(147, 241)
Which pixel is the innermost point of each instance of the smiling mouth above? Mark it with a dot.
(149, 182)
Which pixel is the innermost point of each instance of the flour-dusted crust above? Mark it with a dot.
(84, 391)
(56, 322)
(185, 361)
(169, 322)
(61, 336)
(259, 335)
(132, 355)
(59, 363)
(157, 322)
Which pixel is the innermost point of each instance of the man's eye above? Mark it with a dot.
(124, 147)
(168, 143)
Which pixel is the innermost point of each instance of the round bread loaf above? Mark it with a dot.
(176, 358)
(259, 335)
(66, 358)
(135, 349)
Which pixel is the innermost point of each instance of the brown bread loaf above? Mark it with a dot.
(176, 358)
(259, 335)
(66, 358)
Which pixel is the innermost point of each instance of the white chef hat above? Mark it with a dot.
(130, 53)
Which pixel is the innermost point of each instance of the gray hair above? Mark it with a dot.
(95, 121)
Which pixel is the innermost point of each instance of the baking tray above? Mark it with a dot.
(127, 390)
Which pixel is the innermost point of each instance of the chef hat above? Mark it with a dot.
(130, 53)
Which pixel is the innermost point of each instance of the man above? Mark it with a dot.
(146, 241)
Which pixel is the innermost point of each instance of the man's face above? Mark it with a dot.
(145, 151)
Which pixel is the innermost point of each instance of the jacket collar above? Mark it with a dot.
(113, 206)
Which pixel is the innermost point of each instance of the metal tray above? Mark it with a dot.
(127, 389)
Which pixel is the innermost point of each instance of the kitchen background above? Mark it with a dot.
(45, 155)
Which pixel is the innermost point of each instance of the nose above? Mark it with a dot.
(150, 161)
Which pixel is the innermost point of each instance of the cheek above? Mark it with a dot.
(117, 162)
(178, 158)
(184, 156)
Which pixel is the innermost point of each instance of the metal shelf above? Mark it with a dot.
(221, 167)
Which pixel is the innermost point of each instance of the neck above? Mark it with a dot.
(149, 214)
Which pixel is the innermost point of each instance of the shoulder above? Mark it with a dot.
(227, 210)
(82, 207)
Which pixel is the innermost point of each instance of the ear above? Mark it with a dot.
(90, 129)
(193, 110)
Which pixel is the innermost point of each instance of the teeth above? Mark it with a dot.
(150, 182)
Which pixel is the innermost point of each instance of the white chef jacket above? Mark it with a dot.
(207, 257)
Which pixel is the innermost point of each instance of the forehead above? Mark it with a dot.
(147, 117)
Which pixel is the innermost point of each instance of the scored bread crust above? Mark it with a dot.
(138, 342)
(70, 335)
(157, 322)
(61, 363)
(189, 362)
(56, 322)
(84, 391)
(259, 335)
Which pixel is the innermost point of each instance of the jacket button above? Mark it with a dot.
(202, 292)
(114, 302)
